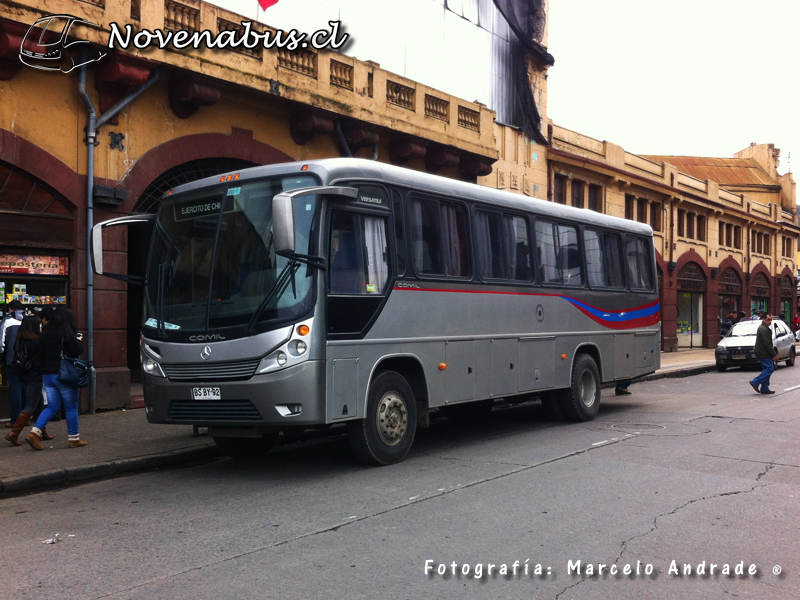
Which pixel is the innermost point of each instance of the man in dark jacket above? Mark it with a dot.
(765, 352)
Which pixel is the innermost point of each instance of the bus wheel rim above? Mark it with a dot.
(391, 418)
(587, 388)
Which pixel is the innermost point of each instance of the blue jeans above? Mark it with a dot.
(56, 393)
(14, 394)
(767, 367)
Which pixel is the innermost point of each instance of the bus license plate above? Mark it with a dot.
(206, 393)
(739, 356)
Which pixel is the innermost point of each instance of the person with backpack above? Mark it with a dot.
(8, 333)
(58, 337)
(27, 364)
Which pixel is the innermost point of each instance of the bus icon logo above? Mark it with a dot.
(205, 354)
(46, 45)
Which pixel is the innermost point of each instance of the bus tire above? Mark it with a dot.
(246, 448)
(385, 435)
(581, 401)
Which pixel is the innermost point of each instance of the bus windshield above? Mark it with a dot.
(213, 261)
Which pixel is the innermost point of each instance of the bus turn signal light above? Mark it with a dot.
(442, 366)
(302, 330)
(563, 356)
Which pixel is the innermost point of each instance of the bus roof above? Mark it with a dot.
(331, 170)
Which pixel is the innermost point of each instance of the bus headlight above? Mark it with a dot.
(300, 347)
(281, 359)
(151, 367)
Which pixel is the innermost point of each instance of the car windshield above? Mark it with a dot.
(213, 261)
(744, 328)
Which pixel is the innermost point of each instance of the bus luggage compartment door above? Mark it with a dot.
(460, 373)
(536, 363)
(624, 352)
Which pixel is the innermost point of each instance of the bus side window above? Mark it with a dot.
(501, 242)
(438, 235)
(559, 256)
(603, 258)
(640, 271)
(400, 240)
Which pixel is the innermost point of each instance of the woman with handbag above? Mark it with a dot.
(28, 366)
(57, 339)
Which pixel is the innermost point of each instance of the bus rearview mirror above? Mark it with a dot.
(283, 213)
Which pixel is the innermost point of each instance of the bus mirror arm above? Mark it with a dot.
(283, 213)
(306, 259)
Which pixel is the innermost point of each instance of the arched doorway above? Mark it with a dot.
(138, 245)
(692, 285)
(37, 239)
(759, 293)
(787, 293)
(730, 293)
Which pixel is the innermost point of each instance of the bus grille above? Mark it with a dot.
(243, 369)
(216, 411)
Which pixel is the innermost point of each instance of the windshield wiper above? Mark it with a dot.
(284, 278)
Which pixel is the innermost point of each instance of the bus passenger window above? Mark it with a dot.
(502, 245)
(603, 258)
(559, 257)
(640, 270)
(438, 234)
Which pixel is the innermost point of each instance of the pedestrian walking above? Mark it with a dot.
(8, 332)
(28, 366)
(767, 353)
(58, 337)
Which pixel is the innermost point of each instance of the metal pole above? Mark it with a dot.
(91, 136)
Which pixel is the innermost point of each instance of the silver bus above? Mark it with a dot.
(349, 291)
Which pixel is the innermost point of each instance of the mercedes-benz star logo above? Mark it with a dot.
(205, 354)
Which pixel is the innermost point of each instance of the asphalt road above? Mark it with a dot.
(699, 471)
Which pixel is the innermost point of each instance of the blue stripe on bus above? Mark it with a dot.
(621, 316)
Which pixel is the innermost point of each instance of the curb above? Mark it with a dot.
(672, 374)
(56, 477)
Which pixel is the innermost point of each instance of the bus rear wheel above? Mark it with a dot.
(385, 435)
(246, 448)
(581, 401)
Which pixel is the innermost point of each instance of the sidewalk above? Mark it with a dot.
(123, 441)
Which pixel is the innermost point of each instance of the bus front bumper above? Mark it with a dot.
(292, 397)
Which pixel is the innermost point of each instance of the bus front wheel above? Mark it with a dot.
(581, 401)
(385, 435)
(246, 448)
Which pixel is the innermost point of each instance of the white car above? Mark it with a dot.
(737, 347)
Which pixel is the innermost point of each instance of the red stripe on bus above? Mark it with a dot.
(410, 289)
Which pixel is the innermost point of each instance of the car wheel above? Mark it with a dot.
(790, 360)
(385, 435)
(246, 448)
(581, 400)
(721, 368)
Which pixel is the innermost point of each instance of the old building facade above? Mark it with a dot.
(724, 228)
